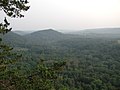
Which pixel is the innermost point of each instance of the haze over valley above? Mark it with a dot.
(60, 45)
(91, 56)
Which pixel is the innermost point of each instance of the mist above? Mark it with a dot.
(68, 15)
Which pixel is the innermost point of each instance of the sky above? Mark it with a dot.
(68, 15)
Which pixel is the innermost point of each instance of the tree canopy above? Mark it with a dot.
(13, 9)
(11, 75)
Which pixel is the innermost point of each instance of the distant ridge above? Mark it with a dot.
(36, 38)
(46, 31)
(22, 32)
(44, 36)
(100, 31)
(47, 36)
(13, 38)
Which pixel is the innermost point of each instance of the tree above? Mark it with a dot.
(13, 9)
(42, 77)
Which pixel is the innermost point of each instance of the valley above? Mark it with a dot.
(92, 58)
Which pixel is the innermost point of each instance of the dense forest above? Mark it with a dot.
(78, 61)
(51, 60)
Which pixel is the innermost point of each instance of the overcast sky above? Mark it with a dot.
(69, 15)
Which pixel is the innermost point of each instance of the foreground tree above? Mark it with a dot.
(40, 78)
(13, 9)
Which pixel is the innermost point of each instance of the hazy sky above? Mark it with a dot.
(69, 15)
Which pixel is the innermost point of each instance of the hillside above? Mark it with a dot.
(90, 62)
(44, 36)
(14, 39)
(99, 33)
(48, 36)
(105, 31)
(22, 32)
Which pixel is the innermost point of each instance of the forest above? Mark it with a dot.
(88, 61)
(51, 60)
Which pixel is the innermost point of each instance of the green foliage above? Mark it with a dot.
(13, 8)
(13, 75)
(93, 62)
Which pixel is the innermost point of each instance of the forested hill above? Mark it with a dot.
(38, 37)
(100, 31)
(14, 39)
(44, 36)
(50, 35)
(92, 60)
(22, 32)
